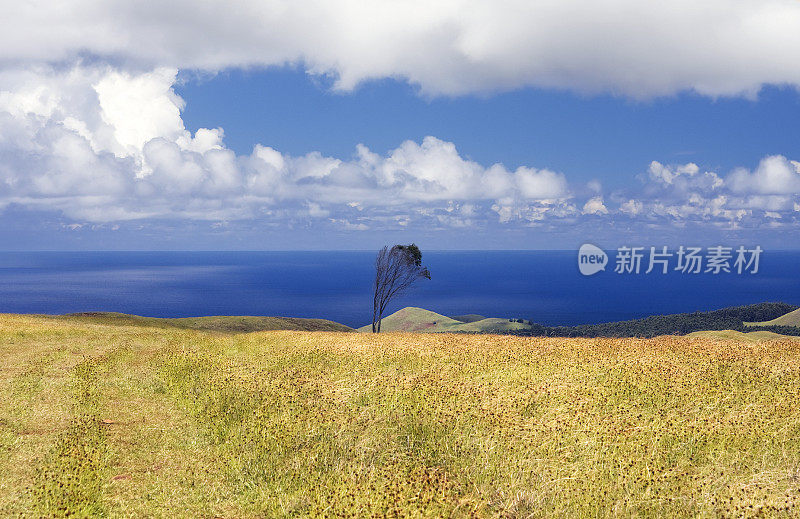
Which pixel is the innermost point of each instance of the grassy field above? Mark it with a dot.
(738, 336)
(134, 420)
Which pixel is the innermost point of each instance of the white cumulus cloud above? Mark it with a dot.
(98, 144)
(631, 207)
(775, 175)
(683, 192)
(594, 205)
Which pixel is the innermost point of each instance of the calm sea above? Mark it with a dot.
(544, 286)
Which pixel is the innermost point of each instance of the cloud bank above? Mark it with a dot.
(100, 145)
(450, 47)
(103, 145)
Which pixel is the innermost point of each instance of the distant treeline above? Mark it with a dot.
(676, 324)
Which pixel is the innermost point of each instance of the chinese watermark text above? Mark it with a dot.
(661, 260)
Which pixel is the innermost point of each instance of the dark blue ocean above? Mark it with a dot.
(543, 286)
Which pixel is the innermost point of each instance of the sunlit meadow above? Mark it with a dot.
(99, 420)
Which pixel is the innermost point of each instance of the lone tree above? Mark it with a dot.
(396, 269)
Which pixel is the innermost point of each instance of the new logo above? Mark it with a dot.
(591, 259)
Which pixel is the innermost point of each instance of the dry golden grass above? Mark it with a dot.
(137, 421)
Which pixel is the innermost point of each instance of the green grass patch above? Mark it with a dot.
(69, 481)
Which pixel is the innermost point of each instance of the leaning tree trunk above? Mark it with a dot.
(396, 269)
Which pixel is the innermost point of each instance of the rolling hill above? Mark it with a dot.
(790, 319)
(468, 318)
(223, 324)
(413, 319)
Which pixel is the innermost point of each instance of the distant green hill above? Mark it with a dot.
(790, 319)
(413, 319)
(468, 318)
(223, 324)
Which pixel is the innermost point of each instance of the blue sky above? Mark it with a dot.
(588, 137)
(458, 125)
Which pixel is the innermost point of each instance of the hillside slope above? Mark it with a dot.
(731, 318)
(790, 319)
(224, 324)
(413, 319)
(468, 318)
